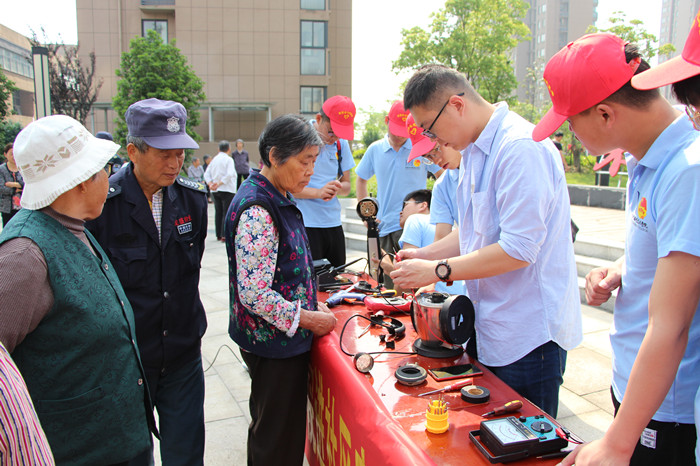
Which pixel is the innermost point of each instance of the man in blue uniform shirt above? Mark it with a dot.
(655, 323)
(318, 201)
(153, 228)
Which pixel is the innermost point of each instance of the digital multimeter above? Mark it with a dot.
(511, 438)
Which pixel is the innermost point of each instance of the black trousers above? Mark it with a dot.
(674, 443)
(222, 199)
(327, 243)
(240, 179)
(278, 388)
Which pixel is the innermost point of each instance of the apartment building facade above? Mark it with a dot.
(258, 58)
(16, 63)
(676, 18)
(553, 24)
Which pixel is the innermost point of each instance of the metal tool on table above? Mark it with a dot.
(509, 407)
(454, 386)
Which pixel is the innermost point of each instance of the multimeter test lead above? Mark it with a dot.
(509, 407)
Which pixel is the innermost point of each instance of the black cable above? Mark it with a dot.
(387, 326)
(217, 355)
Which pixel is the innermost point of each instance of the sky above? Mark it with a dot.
(377, 26)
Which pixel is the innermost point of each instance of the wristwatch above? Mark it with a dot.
(443, 271)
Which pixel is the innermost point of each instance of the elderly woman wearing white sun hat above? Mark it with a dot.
(63, 313)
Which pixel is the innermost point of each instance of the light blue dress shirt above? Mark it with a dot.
(663, 206)
(512, 191)
(395, 179)
(317, 212)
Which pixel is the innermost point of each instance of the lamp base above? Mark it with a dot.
(441, 351)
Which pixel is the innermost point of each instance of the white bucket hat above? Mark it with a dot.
(55, 154)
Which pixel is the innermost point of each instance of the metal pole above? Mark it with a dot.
(42, 86)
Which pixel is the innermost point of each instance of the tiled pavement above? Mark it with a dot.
(585, 405)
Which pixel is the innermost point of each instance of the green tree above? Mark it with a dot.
(374, 127)
(474, 37)
(8, 132)
(152, 68)
(634, 32)
(7, 87)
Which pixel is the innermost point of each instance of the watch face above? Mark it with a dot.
(442, 270)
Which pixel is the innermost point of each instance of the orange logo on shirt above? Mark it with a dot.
(642, 208)
(416, 163)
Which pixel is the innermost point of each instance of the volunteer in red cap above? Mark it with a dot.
(387, 159)
(443, 204)
(513, 246)
(684, 73)
(318, 201)
(655, 340)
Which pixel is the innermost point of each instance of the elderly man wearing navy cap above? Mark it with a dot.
(153, 228)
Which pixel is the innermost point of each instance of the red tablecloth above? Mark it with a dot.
(366, 419)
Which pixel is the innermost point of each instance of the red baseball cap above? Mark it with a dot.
(421, 144)
(582, 74)
(341, 111)
(397, 119)
(677, 68)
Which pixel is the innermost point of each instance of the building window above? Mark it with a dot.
(312, 99)
(16, 59)
(313, 47)
(313, 4)
(158, 25)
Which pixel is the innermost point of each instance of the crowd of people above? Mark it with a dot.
(107, 267)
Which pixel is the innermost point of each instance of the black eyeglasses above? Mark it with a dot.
(427, 132)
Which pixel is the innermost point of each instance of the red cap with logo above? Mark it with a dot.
(676, 69)
(341, 111)
(582, 74)
(421, 144)
(397, 119)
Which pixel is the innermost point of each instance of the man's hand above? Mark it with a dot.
(600, 283)
(406, 254)
(596, 453)
(414, 273)
(330, 190)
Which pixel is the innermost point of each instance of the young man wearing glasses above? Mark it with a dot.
(396, 177)
(513, 245)
(658, 278)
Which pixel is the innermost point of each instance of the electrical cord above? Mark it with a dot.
(232, 352)
(390, 328)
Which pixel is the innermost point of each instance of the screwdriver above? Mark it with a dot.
(454, 386)
(506, 408)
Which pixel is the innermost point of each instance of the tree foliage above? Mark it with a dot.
(72, 84)
(152, 68)
(474, 37)
(7, 87)
(374, 127)
(8, 132)
(634, 32)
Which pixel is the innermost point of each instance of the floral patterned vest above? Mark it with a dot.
(294, 275)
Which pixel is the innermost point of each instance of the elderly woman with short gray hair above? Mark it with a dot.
(274, 311)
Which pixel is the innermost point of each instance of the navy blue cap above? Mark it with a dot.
(160, 123)
(104, 135)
